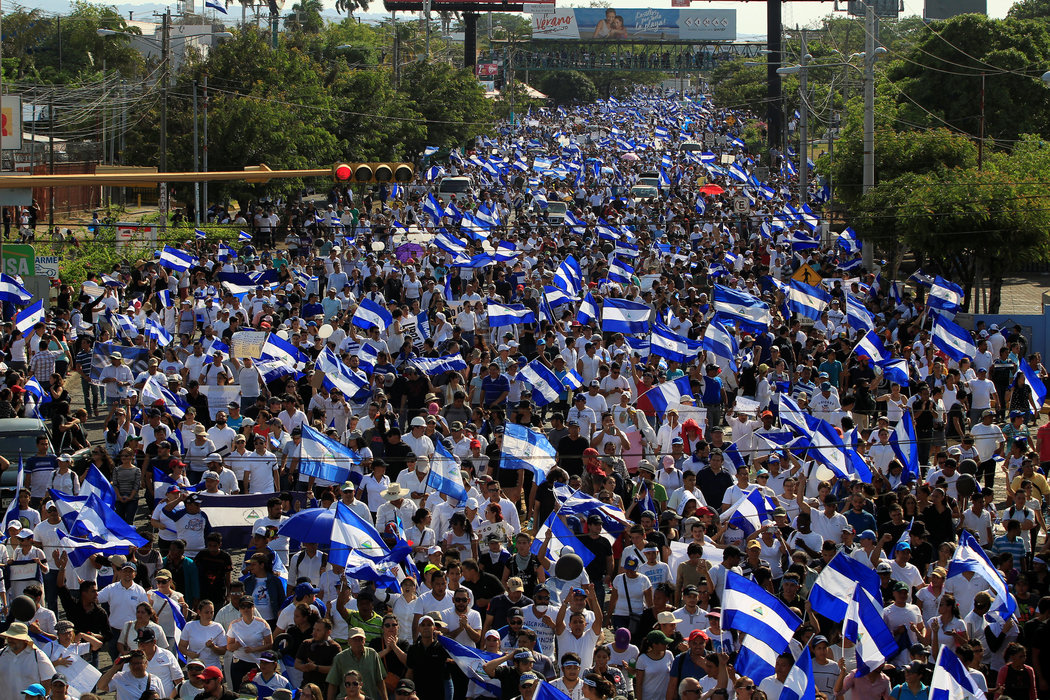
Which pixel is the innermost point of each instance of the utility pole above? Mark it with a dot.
(803, 127)
(196, 161)
(980, 137)
(773, 87)
(426, 18)
(869, 113)
(204, 148)
(165, 51)
(51, 163)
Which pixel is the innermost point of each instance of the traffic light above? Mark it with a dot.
(373, 172)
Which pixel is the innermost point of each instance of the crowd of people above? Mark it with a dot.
(623, 597)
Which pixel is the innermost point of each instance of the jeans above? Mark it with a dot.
(51, 590)
(987, 470)
(127, 510)
(238, 670)
(91, 396)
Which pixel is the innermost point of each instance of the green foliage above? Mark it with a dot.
(623, 82)
(450, 99)
(1030, 9)
(565, 87)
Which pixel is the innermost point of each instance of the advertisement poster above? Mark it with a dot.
(635, 24)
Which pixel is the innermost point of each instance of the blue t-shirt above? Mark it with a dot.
(492, 388)
(712, 390)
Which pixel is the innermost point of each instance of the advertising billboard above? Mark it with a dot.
(10, 123)
(946, 9)
(638, 24)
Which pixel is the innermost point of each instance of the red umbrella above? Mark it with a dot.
(712, 189)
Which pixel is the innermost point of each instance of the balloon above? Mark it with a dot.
(966, 485)
(568, 566)
(23, 608)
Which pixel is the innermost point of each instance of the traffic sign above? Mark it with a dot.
(19, 260)
(741, 205)
(807, 275)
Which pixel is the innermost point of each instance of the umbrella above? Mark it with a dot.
(712, 189)
(629, 156)
(312, 525)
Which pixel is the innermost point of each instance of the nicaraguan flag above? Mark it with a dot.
(824, 443)
(1034, 381)
(199, 234)
(563, 540)
(125, 326)
(969, 556)
(905, 446)
(471, 661)
(327, 460)
(769, 624)
(526, 449)
(89, 527)
(175, 259)
(572, 380)
(370, 314)
(433, 208)
(800, 684)
(11, 290)
(807, 300)
(849, 242)
(857, 315)
(620, 271)
(351, 533)
(720, 342)
(430, 150)
(742, 306)
(12, 508)
(663, 342)
(895, 371)
(871, 347)
(180, 622)
(749, 513)
(449, 243)
(951, 679)
(952, 339)
(501, 315)
(275, 369)
(833, 590)
(30, 316)
(546, 387)
(339, 375)
(669, 394)
(215, 5)
(588, 310)
(154, 391)
(569, 276)
(864, 626)
(444, 476)
(625, 316)
(800, 241)
(244, 236)
(556, 297)
(157, 333)
(439, 365)
(945, 296)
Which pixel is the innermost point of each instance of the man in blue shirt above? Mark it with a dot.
(713, 396)
(495, 387)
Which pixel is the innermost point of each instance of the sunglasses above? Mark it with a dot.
(389, 624)
(352, 684)
(745, 687)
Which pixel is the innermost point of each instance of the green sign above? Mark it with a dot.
(18, 260)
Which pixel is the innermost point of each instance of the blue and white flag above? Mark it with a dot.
(563, 540)
(501, 315)
(351, 533)
(663, 342)
(668, 394)
(619, 271)
(569, 276)
(471, 661)
(175, 259)
(614, 520)
(30, 316)
(857, 315)
(439, 365)
(768, 623)
(952, 680)
(832, 592)
(444, 476)
(339, 375)
(526, 449)
(969, 556)
(450, 244)
(215, 5)
(720, 342)
(800, 684)
(823, 442)
(327, 460)
(432, 207)
(546, 387)
(178, 618)
(125, 326)
(156, 332)
(864, 626)
(12, 508)
(807, 300)
(1034, 381)
(849, 242)
(272, 370)
(741, 306)
(430, 150)
(11, 290)
(945, 296)
(370, 314)
(588, 310)
(871, 346)
(749, 513)
(572, 380)
(952, 339)
(895, 371)
(197, 233)
(906, 446)
(89, 527)
(155, 392)
(95, 482)
(625, 316)
(546, 691)
(244, 236)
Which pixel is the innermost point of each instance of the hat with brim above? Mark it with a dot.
(19, 631)
(395, 492)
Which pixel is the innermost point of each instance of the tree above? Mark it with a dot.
(306, 17)
(351, 6)
(450, 100)
(568, 87)
(1030, 9)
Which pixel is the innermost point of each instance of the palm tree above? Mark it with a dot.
(350, 6)
(306, 17)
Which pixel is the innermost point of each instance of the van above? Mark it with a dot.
(448, 186)
(18, 437)
(556, 212)
(691, 146)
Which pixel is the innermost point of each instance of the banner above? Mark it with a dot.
(248, 344)
(219, 397)
(137, 359)
(635, 24)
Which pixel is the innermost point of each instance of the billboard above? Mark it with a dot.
(883, 8)
(10, 123)
(946, 9)
(638, 24)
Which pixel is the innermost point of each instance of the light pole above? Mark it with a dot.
(165, 78)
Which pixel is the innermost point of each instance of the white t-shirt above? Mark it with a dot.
(196, 635)
(249, 635)
(657, 674)
(633, 589)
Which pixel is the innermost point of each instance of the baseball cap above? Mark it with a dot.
(211, 672)
(884, 568)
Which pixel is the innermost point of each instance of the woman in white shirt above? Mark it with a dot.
(246, 637)
(204, 638)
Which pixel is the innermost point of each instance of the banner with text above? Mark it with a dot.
(639, 24)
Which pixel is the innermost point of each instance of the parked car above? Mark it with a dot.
(18, 436)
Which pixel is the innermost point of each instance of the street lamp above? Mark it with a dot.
(165, 77)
